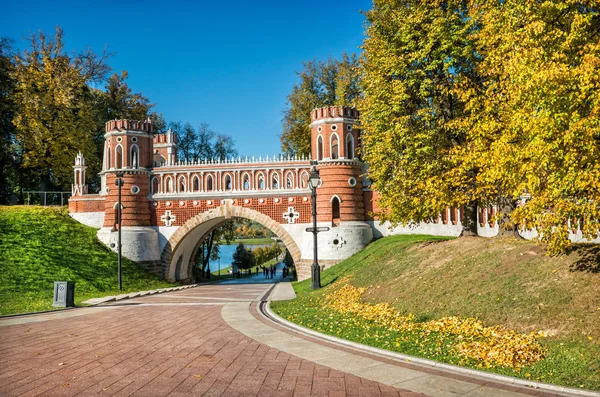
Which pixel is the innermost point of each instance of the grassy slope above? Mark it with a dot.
(41, 245)
(505, 282)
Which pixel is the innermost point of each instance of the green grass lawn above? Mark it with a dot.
(41, 245)
(509, 282)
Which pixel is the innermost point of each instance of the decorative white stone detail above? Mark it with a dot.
(291, 199)
(246, 201)
(337, 242)
(305, 199)
(195, 202)
(261, 201)
(168, 218)
(276, 200)
(182, 203)
(291, 215)
(168, 203)
(155, 204)
(209, 202)
(135, 189)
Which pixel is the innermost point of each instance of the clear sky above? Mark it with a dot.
(228, 63)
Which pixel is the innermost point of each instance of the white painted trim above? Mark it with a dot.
(335, 196)
(335, 120)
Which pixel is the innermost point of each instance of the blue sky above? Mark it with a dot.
(229, 63)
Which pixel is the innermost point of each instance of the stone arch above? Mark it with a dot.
(320, 147)
(195, 185)
(183, 242)
(134, 156)
(350, 146)
(334, 146)
(246, 181)
(155, 185)
(289, 180)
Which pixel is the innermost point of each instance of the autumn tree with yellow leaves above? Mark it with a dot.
(54, 116)
(521, 80)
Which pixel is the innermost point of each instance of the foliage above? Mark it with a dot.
(267, 253)
(470, 282)
(415, 54)
(243, 258)
(288, 260)
(41, 245)
(465, 337)
(54, 116)
(533, 125)
(482, 102)
(202, 143)
(245, 228)
(322, 83)
(7, 108)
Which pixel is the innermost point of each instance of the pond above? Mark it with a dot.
(226, 254)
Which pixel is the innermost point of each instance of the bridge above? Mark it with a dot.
(169, 205)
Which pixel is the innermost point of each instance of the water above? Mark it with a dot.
(226, 252)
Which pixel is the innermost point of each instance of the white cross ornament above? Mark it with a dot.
(168, 218)
(291, 215)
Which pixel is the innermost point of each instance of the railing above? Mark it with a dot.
(46, 198)
(246, 160)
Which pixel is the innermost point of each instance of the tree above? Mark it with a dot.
(415, 55)
(324, 83)
(7, 108)
(243, 258)
(187, 141)
(202, 143)
(211, 242)
(533, 125)
(54, 116)
(119, 102)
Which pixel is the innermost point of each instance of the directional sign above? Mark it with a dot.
(319, 229)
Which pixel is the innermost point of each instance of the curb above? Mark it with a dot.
(265, 311)
(131, 295)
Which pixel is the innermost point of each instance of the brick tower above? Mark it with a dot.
(128, 148)
(334, 135)
(335, 132)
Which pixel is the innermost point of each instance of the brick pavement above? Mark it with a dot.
(175, 344)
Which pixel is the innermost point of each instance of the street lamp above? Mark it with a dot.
(313, 183)
(119, 182)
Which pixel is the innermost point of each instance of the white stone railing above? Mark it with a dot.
(246, 160)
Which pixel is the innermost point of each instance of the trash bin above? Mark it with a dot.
(64, 294)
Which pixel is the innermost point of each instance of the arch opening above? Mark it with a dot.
(184, 243)
(334, 150)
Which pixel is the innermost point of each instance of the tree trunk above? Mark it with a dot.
(506, 227)
(44, 187)
(469, 221)
(208, 251)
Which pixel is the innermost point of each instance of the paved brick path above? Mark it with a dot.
(175, 344)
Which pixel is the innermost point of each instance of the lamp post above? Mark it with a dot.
(119, 182)
(313, 182)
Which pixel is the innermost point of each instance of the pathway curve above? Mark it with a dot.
(207, 340)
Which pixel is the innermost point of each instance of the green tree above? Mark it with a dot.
(415, 55)
(323, 83)
(7, 129)
(54, 114)
(243, 257)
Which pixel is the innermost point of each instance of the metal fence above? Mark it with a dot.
(46, 198)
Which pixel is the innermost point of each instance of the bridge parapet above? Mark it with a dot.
(240, 160)
(232, 177)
